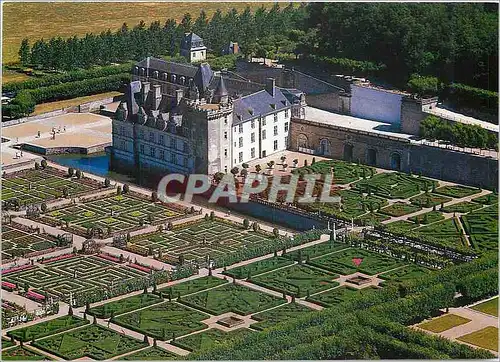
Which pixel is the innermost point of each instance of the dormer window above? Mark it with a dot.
(250, 110)
(273, 106)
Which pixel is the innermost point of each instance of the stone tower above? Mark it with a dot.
(192, 48)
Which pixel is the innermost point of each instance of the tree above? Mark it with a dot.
(154, 196)
(212, 215)
(276, 232)
(71, 171)
(126, 188)
(107, 182)
(258, 168)
(43, 207)
(244, 172)
(24, 52)
(44, 164)
(118, 190)
(255, 227)
(78, 174)
(37, 166)
(246, 223)
(235, 171)
(295, 162)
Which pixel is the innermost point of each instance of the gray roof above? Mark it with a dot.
(203, 76)
(191, 40)
(187, 70)
(257, 104)
(221, 89)
(292, 94)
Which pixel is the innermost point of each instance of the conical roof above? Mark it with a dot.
(221, 89)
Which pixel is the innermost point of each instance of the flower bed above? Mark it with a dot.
(35, 296)
(140, 267)
(16, 269)
(9, 286)
(110, 258)
(56, 258)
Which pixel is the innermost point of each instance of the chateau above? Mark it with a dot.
(189, 119)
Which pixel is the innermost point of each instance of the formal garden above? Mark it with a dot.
(271, 317)
(108, 310)
(395, 185)
(199, 240)
(190, 287)
(343, 172)
(35, 186)
(339, 295)
(22, 353)
(47, 328)
(93, 341)
(258, 267)
(208, 338)
(406, 272)
(21, 241)
(153, 353)
(163, 321)
(110, 214)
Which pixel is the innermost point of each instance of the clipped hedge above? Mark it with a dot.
(466, 96)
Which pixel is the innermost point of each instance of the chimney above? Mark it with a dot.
(179, 93)
(146, 86)
(270, 85)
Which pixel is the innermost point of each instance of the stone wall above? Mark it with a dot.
(394, 153)
(412, 113)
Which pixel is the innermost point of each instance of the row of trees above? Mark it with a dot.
(159, 39)
(370, 325)
(460, 134)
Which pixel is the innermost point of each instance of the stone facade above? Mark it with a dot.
(412, 113)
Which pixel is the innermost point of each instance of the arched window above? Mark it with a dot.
(396, 161)
(173, 78)
(371, 157)
(155, 74)
(325, 147)
(165, 76)
(143, 71)
(348, 152)
(302, 141)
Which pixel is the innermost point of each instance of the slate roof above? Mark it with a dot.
(187, 70)
(257, 104)
(191, 40)
(292, 94)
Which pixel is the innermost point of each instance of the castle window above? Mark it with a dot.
(173, 78)
(123, 146)
(240, 157)
(185, 147)
(252, 137)
(264, 121)
(151, 137)
(185, 161)
(263, 134)
(141, 148)
(155, 74)
(172, 158)
(165, 76)
(275, 145)
(225, 135)
(162, 154)
(275, 130)
(161, 140)
(141, 134)
(225, 152)
(182, 80)
(286, 113)
(252, 152)
(240, 128)
(225, 120)
(286, 126)
(275, 117)
(241, 142)
(152, 152)
(253, 124)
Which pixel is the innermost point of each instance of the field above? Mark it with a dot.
(37, 186)
(72, 275)
(259, 267)
(489, 307)
(22, 354)
(342, 262)
(17, 242)
(190, 287)
(338, 295)
(118, 213)
(94, 341)
(163, 321)
(444, 323)
(232, 298)
(271, 317)
(198, 240)
(150, 354)
(298, 280)
(209, 338)
(484, 338)
(47, 328)
(394, 185)
(124, 305)
(38, 20)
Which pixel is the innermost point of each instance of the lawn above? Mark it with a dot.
(488, 307)
(53, 106)
(47, 328)
(22, 354)
(411, 271)
(45, 20)
(484, 338)
(444, 323)
(209, 338)
(427, 218)
(298, 280)
(150, 354)
(232, 298)
(457, 191)
(163, 321)
(399, 209)
(259, 267)
(124, 305)
(343, 262)
(271, 317)
(316, 250)
(93, 341)
(190, 287)
(338, 295)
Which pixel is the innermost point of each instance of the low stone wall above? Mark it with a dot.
(65, 150)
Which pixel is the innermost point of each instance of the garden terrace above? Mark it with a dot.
(371, 219)
(94, 341)
(77, 274)
(399, 209)
(343, 172)
(190, 287)
(47, 328)
(429, 199)
(163, 321)
(43, 185)
(343, 262)
(482, 226)
(399, 226)
(461, 207)
(457, 191)
(196, 241)
(258, 267)
(124, 305)
(18, 241)
(407, 272)
(22, 354)
(208, 339)
(447, 232)
(395, 185)
(298, 280)
(338, 295)
(271, 317)
(232, 298)
(150, 354)
(109, 215)
(316, 250)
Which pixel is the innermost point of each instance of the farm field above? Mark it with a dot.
(197, 240)
(163, 321)
(93, 341)
(298, 280)
(21, 242)
(232, 298)
(110, 214)
(37, 186)
(209, 338)
(283, 313)
(74, 274)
